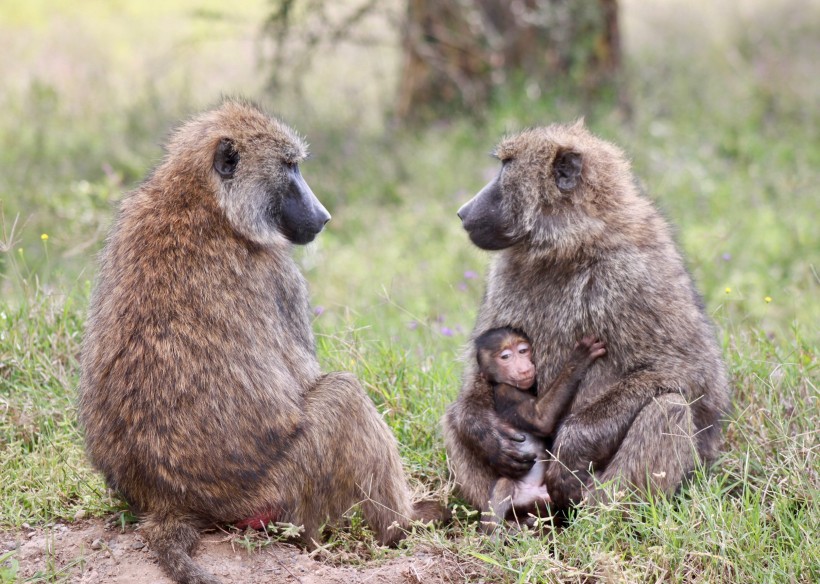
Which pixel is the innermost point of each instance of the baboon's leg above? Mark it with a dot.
(173, 539)
(473, 476)
(500, 501)
(658, 451)
(589, 439)
(350, 456)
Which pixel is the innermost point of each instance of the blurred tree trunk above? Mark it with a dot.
(457, 52)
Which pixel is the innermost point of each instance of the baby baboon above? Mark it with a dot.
(504, 357)
(201, 395)
(580, 250)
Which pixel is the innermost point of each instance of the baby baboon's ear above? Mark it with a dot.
(226, 158)
(567, 170)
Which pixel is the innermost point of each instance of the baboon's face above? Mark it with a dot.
(263, 191)
(506, 359)
(487, 219)
(537, 180)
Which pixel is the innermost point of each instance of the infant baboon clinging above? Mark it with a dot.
(504, 358)
(581, 251)
(201, 395)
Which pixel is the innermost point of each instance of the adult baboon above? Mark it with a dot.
(201, 395)
(582, 252)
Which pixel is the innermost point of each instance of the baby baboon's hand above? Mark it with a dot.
(588, 349)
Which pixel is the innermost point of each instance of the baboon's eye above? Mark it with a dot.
(226, 158)
(505, 354)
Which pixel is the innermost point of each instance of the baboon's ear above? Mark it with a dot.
(226, 158)
(567, 170)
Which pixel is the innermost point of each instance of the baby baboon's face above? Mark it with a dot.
(505, 357)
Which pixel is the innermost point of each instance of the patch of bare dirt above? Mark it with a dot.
(92, 552)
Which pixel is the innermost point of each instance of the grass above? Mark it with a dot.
(725, 136)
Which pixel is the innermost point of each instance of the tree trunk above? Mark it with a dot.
(457, 52)
(446, 63)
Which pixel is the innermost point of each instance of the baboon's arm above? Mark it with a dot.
(589, 437)
(473, 417)
(552, 403)
(537, 415)
(517, 408)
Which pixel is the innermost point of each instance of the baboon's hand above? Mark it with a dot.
(565, 486)
(506, 451)
(588, 349)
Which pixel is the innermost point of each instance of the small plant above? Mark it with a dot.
(8, 567)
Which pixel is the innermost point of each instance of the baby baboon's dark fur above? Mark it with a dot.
(582, 252)
(535, 417)
(201, 396)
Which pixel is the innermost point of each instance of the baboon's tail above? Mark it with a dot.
(173, 539)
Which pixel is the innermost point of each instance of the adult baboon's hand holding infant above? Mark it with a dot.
(581, 252)
(201, 396)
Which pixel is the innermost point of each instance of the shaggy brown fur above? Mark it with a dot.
(583, 253)
(201, 396)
